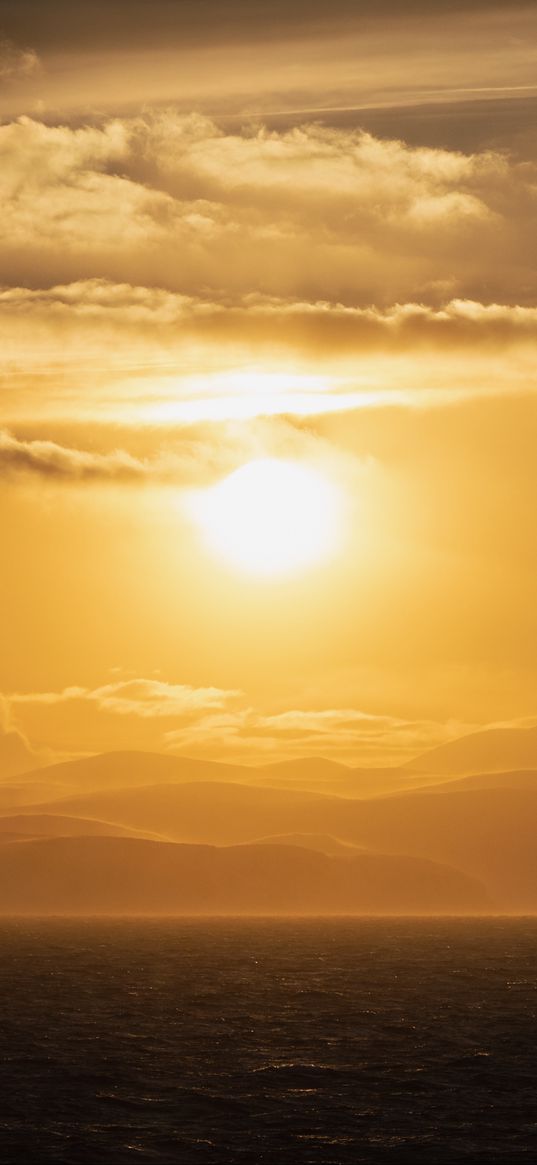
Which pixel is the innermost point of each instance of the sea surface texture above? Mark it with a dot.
(326, 1041)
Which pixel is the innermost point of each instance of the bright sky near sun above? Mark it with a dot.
(270, 517)
(268, 337)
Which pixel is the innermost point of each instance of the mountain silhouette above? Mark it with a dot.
(131, 768)
(112, 875)
(489, 833)
(54, 825)
(493, 750)
(320, 842)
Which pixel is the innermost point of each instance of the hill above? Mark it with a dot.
(113, 770)
(110, 770)
(110, 875)
(488, 833)
(316, 774)
(213, 812)
(520, 779)
(53, 825)
(30, 791)
(320, 842)
(494, 750)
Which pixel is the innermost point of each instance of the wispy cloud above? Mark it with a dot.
(222, 724)
(16, 62)
(98, 306)
(188, 462)
(122, 351)
(347, 733)
(17, 754)
(146, 698)
(48, 459)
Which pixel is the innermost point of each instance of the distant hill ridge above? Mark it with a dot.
(492, 750)
(487, 832)
(112, 875)
(482, 824)
(123, 769)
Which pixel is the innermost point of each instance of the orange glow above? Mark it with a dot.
(268, 405)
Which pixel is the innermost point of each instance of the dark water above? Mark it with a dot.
(260, 1041)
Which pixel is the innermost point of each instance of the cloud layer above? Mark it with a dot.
(252, 58)
(210, 721)
(175, 201)
(171, 251)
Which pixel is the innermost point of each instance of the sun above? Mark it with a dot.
(270, 516)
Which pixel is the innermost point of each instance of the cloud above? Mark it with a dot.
(16, 62)
(100, 307)
(349, 733)
(17, 755)
(275, 57)
(146, 698)
(188, 461)
(221, 724)
(175, 201)
(126, 712)
(177, 259)
(173, 252)
(133, 352)
(47, 459)
(186, 458)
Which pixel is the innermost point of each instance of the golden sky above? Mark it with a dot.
(268, 339)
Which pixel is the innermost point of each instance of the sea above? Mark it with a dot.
(292, 1041)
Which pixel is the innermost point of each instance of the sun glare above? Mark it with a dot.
(270, 517)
